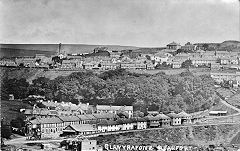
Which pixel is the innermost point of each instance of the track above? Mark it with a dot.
(24, 141)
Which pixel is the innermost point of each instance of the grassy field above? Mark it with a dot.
(221, 107)
(195, 71)
(235, 100)
(10, 109)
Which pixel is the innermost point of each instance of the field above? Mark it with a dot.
(235, 100)
(10, 109)
(221, 107)
(195, 71)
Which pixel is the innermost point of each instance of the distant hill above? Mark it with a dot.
(148, 50)
(13, 50)
(230, 45)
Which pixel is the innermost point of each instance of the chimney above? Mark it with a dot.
(87, 104)
(55, 102)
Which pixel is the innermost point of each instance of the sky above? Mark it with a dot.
(143, 23)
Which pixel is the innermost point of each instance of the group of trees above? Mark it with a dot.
(119, 87)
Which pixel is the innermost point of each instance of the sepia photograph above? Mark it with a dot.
(120, 75)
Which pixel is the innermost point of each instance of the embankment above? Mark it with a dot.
(192, 135)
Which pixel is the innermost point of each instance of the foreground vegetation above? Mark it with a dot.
(159, 91)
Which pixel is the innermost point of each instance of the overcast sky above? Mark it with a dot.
(151, 23)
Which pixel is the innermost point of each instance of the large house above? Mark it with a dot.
(161, 57)
(188, 46)
(109, 66)
(132, 65)
(72, 64)
(49, 127)
(174, 46)
(207, 60)
(114, 109)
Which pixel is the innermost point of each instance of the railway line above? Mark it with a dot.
(23, 140)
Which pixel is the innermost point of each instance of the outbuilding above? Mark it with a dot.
(217, 113)
(81, 129)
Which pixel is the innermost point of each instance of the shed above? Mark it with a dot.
(79, 129)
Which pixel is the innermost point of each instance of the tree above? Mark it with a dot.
(148, 57)
(17, 123)
(6, 131)
(205, 46)
(186, 64)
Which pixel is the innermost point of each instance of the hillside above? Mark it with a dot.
(148, 50)
(230, 45)
(10, 109)
(192, 135)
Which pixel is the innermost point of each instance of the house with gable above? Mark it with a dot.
(114, 109)
(173, 45)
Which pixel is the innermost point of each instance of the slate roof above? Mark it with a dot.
(173, 115)
(35, 121)
(107, 122)
(184, 114)
(162, 116)
(138, 119)
(114, 108)
(80, 128)
(50, 104)
(150, 118)
(83, 117)
(49, 120)
(105, 116)
(37, 111)
(90, 116)
(173, 44)
(69, 118)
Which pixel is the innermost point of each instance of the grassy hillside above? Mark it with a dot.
(31, 74)
(235, 100)
(11, 109)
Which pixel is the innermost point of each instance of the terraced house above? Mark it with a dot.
(232, 77)
(114, 109)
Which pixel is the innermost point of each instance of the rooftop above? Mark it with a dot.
(114, 108)
(79, 128)
(173, 44)
(69, 118)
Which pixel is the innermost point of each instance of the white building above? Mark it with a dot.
(115, 109)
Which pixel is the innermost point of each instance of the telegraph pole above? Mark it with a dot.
(59, 48)
(239, 19)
